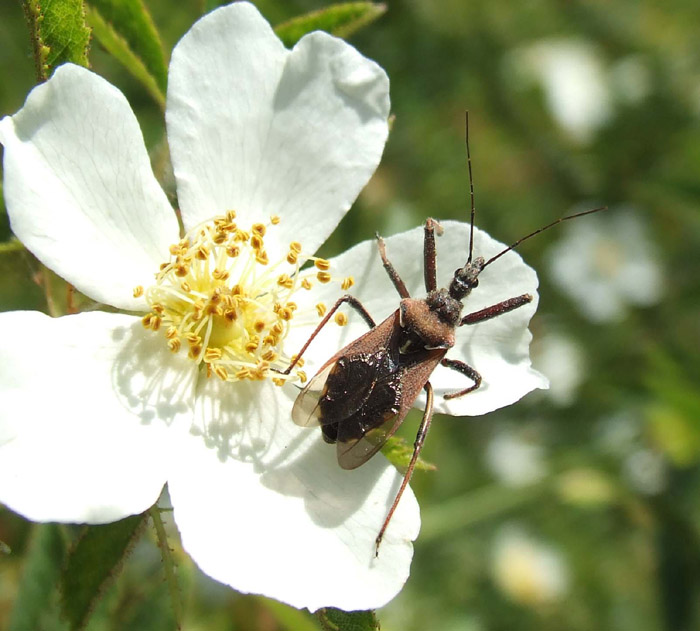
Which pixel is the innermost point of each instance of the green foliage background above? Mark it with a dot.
(632, 557)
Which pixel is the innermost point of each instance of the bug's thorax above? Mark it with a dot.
(430, 323)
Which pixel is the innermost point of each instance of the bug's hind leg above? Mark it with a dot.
(417, 446)
(467, 371)
(354, 303)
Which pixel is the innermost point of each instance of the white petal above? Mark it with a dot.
(80, 190)
(263, 506)
(87, 400)
(498, 349)
(262, 130)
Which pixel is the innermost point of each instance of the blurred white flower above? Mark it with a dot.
(514, 461)
(646, 471)
(605, 263)
(573, 78)
(561, 360)
(527, 571)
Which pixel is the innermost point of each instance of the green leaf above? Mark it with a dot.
(288, 618)
(18, 288)
(127, 32)
(337, 620)
(93, 563)
(399, 453)
(341, 20)
(58, 34)
(42, 567)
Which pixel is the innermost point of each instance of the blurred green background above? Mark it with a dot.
(576, 508)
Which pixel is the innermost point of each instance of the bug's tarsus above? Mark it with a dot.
(542, 229)
(467, 371)
(354, 303)
(496, 310)
(417, 445)
(391, 270)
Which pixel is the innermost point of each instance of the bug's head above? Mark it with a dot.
(466, 278)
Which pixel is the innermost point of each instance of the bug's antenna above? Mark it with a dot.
(532, 234)
(471, 186)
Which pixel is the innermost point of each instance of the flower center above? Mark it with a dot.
(221, 299)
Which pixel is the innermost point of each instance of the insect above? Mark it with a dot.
(362, 394)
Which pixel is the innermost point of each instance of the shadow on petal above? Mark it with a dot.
(150, 381)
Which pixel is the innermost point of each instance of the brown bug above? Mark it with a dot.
(362, 394)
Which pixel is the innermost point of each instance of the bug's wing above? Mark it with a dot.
(344, 382)
(364, 434)
(306, 411)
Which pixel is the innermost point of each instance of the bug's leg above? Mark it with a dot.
(391, 270)
(417, 446)
(496, 310)
(467, 371)
(429, 266)
(354, 303)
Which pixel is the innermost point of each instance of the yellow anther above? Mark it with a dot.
(171, 333)
(270, 340)
(251, 346)
(302, 376)
(195, 351)
(233, 251)
(241, 235)
(202, 253)
(321, 309)
(277, 328)
(306, 284)
(259, 326)
(259, 229)
(256, 242)
(261, 257)
(193, 338)
(221, 372)
(322, 264)
(347, 283)
(292, 305)
(274, 220)
(323, 277)
(230, 315)
(155, 322)
(158, 308)
(212, 354)
(230, 215)
(269, 356)
(299, 362)
(174, 344)
(185, 286)
(292, 258)
(285, 281)
(146, 320)
(243, 373)
(295, 246)
(181, 269)
(220, 274)
(286, 313)
(277, 381)
(138, 291)
(340, 319)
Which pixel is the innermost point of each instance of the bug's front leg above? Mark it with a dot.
(467, 371)
(496, 310)
(354, 303)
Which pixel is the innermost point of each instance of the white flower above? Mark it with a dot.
(100, 411)
(605, 263)
(574, 82)
(561, 360)
(514, 461)
(528, 571)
